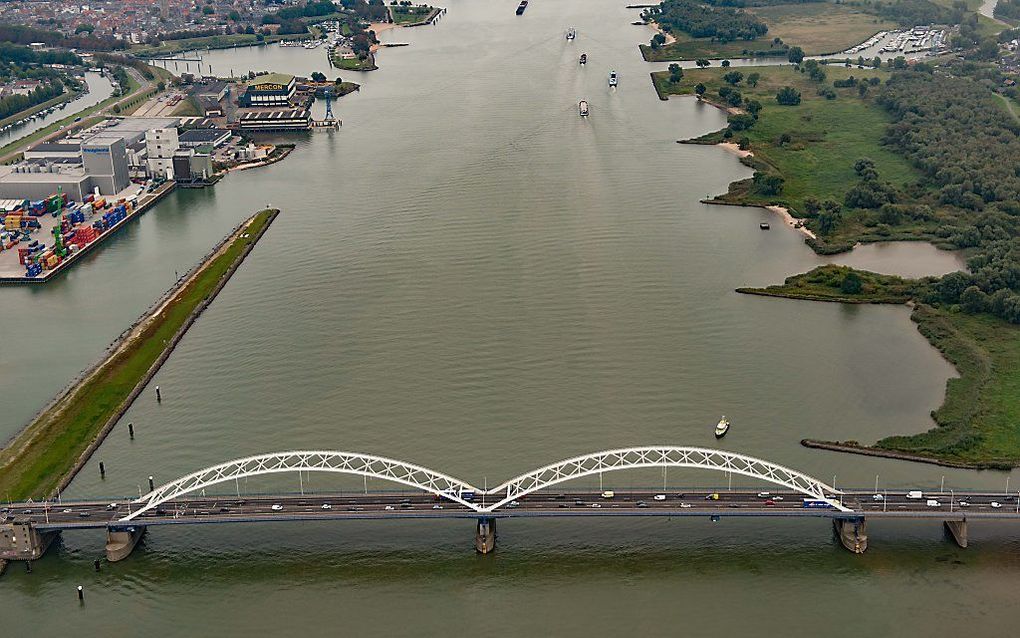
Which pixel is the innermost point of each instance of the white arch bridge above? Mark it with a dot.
(456, 490)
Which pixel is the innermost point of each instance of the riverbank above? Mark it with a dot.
(817, 28)
(233, 41)
(144, 203)
(66, 96)
(45, 456)
(810, 148)
(279, 153)
(976, 423)
(809, 161)
(12, 151)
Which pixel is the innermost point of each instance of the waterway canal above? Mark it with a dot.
(469, 276)
(100, 88)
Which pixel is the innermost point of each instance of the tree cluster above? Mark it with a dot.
(947, 126)
(908, 13)
(724, 24)
(21, 34)
(1007, 10)
(17, 103)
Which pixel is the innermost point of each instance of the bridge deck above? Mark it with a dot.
(586, 503)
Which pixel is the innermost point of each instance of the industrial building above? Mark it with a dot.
(102, 164)
(161, 144)
(291, 119)
(195, 138)
(272, 89)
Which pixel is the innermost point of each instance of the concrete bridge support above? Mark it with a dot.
(120, 541)
(20, 540)
(852, 533)
(957, 530)
(485, 537)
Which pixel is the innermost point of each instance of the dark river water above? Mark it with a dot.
(471, 277)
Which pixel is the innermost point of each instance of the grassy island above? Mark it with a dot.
(47, 453)
(408, 14)
(922, 152)
(355, 64)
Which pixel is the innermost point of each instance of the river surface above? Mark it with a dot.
(100, 88)
(471, 277)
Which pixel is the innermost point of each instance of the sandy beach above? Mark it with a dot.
(379, 27)
(655, 27)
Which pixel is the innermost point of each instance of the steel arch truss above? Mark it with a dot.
(662, 456)
(309, 461)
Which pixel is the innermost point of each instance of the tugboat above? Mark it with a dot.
(571, 33)
(521, 7)
(582, 108)
(613, 79)
(584, 58)
(722, 427)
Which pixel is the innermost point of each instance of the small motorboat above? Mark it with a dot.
(613, 78)
(571, 33)
(722, 427)
(764, 226)
(584, 58)
(582, 108)
(521, 7)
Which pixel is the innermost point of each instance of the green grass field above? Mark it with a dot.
(825, 283)
(827, 137)
(821, 27)
(354, 64)
(410, 15)
(32, 465)
(817, 28)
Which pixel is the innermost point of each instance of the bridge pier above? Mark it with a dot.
(852, 533)
(957, 530)
(120, 541)
(20, 540)
(485, 536)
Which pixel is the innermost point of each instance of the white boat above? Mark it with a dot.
(613, 79)
(571, 33)
(722, 427)
(582, 108)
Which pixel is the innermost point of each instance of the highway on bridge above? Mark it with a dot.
(391, 505)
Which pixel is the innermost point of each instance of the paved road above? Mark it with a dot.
(580, 503)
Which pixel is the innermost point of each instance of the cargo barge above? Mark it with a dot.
(110, 217)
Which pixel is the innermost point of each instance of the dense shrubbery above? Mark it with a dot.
(967, 150)
(1007, 10)
(945, 125)
(909, 13)
(719, 23)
